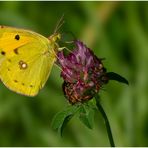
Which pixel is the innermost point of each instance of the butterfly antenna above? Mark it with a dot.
(59, 24)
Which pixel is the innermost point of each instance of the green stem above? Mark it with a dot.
(109, 132)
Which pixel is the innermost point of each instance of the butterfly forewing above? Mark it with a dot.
(26, 60)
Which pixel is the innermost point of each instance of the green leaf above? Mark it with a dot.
(117, 77)
(62, 126)
(61, 119)
(87, 116)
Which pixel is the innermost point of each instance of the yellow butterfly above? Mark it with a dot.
(26, 59)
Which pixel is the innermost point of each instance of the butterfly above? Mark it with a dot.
(26, 59)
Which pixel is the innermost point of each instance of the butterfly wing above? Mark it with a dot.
(26, 59)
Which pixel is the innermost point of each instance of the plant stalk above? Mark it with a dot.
(109, 132)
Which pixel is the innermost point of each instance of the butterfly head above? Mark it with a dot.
(56, 36)
(53, 41)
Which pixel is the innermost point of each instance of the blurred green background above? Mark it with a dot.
(116, 31)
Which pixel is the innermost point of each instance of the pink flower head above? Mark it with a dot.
(83, 73)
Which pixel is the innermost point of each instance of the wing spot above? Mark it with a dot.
(3, 52)
(1, 27)
(8, 69)
(31, 85)
(23, 84)
(22, 64)
(16, 51)
(15, 81)
(9, 60)
(17, 37)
